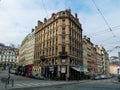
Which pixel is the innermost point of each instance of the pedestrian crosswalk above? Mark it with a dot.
(52, 83)
(36, 84)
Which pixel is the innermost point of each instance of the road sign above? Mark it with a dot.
(82, 68)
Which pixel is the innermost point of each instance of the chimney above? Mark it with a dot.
(45, 20)
(85, 36)
(53, 14)
(35, 27)
(76, 15)
(96, 45)
(32, 30)
(88, 38)
(39, 23)
(69, 10)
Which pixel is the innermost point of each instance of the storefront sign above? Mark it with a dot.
(51, 68)
(63, 69)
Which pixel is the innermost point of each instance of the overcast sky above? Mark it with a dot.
(18, 17)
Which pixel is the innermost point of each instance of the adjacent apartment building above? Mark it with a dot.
(58, 46)
(89, 58)
(102, 60)
(95, 59)
(105, 58)
(8, 57)
(26, 50)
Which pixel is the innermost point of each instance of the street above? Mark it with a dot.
(91, 85)
(24, 83)
(83, 86)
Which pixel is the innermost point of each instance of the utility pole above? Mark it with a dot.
(9, 73)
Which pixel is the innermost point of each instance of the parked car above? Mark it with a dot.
(100, 76)
(12, 71)
(97, 78)
(32, 75)
(39, 76)
(103, 76)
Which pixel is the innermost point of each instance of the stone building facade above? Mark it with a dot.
(26, 50)
(8, 57)
(58, 46)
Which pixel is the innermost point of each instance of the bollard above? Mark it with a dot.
(5, 81)
(12, 82)
(118, 78)
(6, 84)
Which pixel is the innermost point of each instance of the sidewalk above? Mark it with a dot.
(23, 85)
(37, 84)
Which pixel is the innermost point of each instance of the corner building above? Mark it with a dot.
(58, 46)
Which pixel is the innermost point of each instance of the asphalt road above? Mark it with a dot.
(83, 86)
(23, 83)
(78, 86)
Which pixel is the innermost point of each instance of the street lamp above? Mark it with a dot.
(9, 74)
(42, 58)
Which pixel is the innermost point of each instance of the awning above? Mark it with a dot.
(76, 68)
(80, 69)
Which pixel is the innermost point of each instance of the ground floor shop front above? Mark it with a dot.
(60, 72)
(6, 65)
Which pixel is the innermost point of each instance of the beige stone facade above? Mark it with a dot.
(99, 59)
(58, 46)
(87, 56)
(26, 51)
(105, 58)
(95, 58)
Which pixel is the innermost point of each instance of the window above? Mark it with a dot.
(53, 51)
(63, 22)
(63, 40)
(56, 31)
(63, 31)
(63, 48)
(56, 23)
(56, 40)
(56, 60)
(63, 61)
(56, 50)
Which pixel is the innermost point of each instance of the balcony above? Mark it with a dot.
(63, 54)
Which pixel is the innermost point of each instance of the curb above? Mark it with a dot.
(41, 86)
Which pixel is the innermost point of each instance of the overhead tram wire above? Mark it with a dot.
(45, 8)
(110, 29)
(102, 41)
(103, 31)
(104, 18)
(112, 43)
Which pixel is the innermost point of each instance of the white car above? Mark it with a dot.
(40, 77)
(97, 78)
(103, 76)
(12, 71)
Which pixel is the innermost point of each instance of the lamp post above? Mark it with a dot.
(42, 57)
(9, 74)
